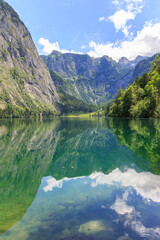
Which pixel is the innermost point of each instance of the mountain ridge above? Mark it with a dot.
(30, 86)
(94, 80)
(132, 63)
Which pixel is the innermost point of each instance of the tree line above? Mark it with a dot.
(141, 99)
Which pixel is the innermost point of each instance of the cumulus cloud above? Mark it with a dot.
(146, 43)
(130, 5)
(144, 232)
(131, 216)
(121, 207)
(49, 47)
(145, 184)
(126, 10)
(52, 183)
(120, 19)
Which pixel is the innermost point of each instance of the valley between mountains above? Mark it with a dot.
(48, 86)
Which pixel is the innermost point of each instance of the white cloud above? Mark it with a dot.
(130, 218)
(83, 47)
(126, 32)
(120, 19)
(130, 5)
(52, 183)
(146, 43)
(121, 207)
(134, 5)
(102, 19)
(145, 184)
(116, 2)
(49, 47)
(144, 232)
(126, 10)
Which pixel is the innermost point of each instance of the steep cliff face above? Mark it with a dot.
(25, 82)
(70, 65)
(143, 67)
(140, 68)
(89, 79)
(125, 62)
(94, 80)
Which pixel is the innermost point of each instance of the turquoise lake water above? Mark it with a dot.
(77, 179)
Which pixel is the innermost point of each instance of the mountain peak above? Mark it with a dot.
(123, 61)
(107, 58)
(55, 53)
(139, 58)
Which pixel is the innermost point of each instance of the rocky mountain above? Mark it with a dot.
(141, 99)
(26, 87)
(67, 102)
(94, 80)
(143, 67)
(125, 62)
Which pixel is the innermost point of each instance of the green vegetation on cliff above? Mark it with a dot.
(68, 103)
(26, 87)
(141, 98)
(143, 138)
(26, 151)
(30, 150)
(92, 80)
(95, 80)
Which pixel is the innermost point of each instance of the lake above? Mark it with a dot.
(77, 179)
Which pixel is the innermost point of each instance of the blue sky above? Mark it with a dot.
(98, 27)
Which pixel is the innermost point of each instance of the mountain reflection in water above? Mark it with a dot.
(80, 179)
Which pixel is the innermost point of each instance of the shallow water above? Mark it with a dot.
(80, 179)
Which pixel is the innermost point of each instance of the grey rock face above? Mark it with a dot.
(125, 62)
(89, 79)
(24, 78)
(93, 80)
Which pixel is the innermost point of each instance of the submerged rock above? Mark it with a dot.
(92, 227)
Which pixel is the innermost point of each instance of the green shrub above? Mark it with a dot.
(14, 73)
(141, 98)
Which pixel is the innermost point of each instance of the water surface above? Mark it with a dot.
(80, 179)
